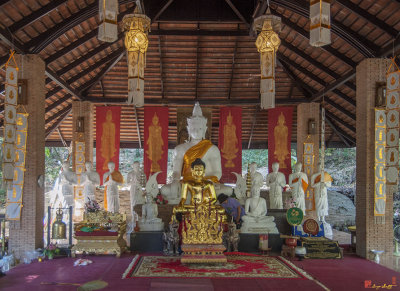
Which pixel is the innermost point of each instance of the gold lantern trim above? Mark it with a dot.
(137, 26)
(267, 44)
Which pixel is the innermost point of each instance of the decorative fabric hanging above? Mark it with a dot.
(14, 195)
(79, 169)
(267, 44)
(320, 22)
(108, 28)
(10, 112)
(137, 26)
(380, 162)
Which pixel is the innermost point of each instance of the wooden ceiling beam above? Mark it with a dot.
(200, 32)
(66, 112)
(301, 31)
(180, 102)
(237, 12)
(339, 120)
(161, 67)
(232, 69)
(35, 15)
(340, 133)
(60, 82)
(161, 11)
(367, 48)
(317, 79)
(38, 43)
(85, 88)
(87, 56)
(369, 17)
(58, 114)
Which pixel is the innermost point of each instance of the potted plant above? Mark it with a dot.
(51, 250)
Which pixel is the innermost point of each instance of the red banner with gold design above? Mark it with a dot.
(279, 139)
(156, 142)
(230, 142)
(108, 120)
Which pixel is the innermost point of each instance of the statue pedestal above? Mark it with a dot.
(267, 226)
(144, 241)
(203, 253)
(151, 226)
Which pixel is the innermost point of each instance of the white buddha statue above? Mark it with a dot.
(89, 179)
(149, 220)
(67, 180)
(255, 220)
(136, 192)
(185, 154)
(276, 181)
(112, 179)
(319, 183)
(298, 182)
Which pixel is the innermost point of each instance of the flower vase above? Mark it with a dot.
(50, 256)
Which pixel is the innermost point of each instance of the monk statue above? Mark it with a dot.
(112, 179)
(255, 220)
(89, 179)
(136, 192)
(107, 148)
(281, 152)
(149, 220)
(319, 183)
(276, 181)
(298, 182)
(67, 180)
(230, 148)
(155, 143)
(185, 154)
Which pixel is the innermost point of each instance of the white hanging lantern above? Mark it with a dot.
(108, 28)
(137, 26)
(267, 44)
(320, 22)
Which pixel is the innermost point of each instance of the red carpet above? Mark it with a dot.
(238, 266)
(346, 274)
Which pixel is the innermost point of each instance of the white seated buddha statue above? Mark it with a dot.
(255, 220)
(185, 154)
(149, 220)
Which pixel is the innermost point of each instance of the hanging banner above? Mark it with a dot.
(108, 120)
(156, 142)
(380, 160)
(279, 139)
(230, 142)
(14, 194)
(10, 113)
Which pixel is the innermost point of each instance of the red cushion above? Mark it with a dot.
(96, 233)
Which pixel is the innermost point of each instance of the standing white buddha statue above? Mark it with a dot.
(276, 181)
(298, 182)
(255, 219)
(67, 180)
(320, 184)
(185, 154)
(89, 179)
(136, 192)
(112, 179)
(256, 177)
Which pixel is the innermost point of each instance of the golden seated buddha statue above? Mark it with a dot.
(202, 232)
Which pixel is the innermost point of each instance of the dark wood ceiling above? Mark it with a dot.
(200, 51)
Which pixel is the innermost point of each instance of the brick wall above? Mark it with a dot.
(27, 234)
(369, 235)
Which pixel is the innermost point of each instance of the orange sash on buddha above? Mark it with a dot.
(304, 184)
(117, 177)
(196, 151)
(328, 178)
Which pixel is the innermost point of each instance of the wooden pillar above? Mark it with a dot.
(84, 111)
(305, 113)
(27, 233)
(370, 235)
